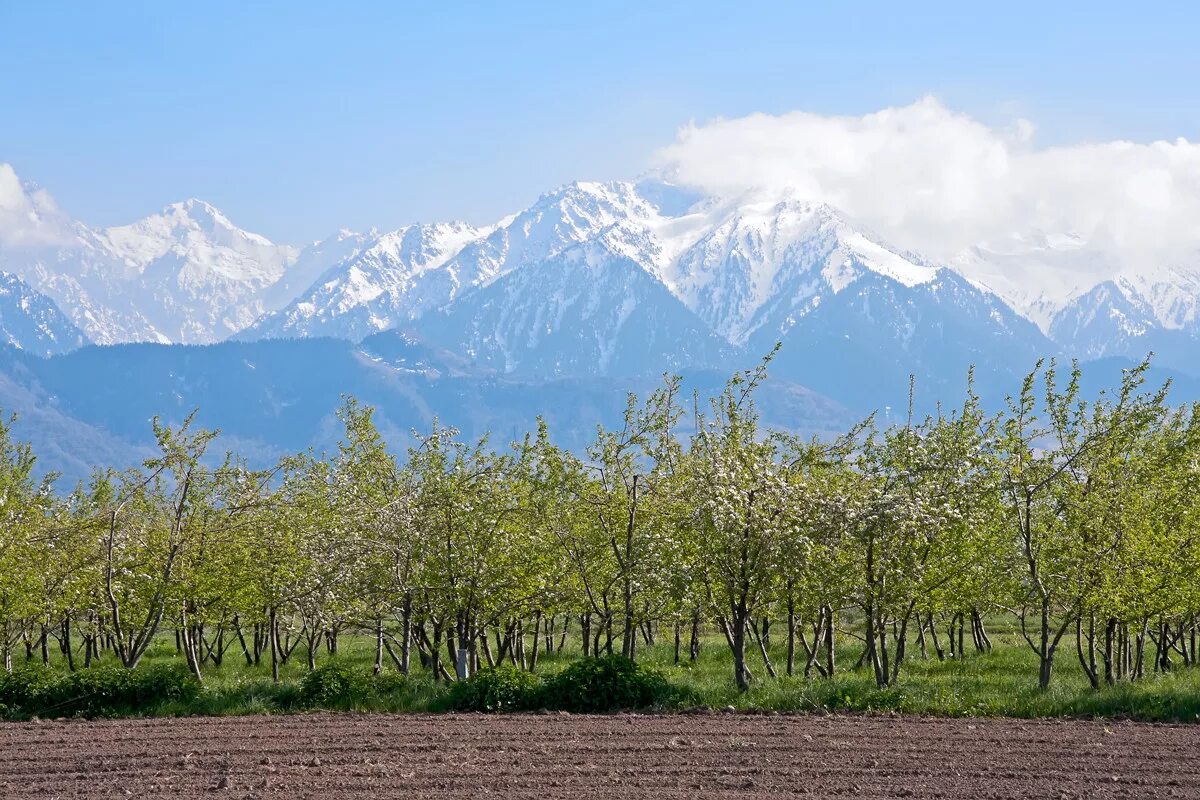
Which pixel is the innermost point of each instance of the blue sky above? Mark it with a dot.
(297, 118)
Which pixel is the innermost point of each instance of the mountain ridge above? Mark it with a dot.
(750, 269)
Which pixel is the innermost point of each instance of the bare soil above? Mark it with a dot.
(596, 757)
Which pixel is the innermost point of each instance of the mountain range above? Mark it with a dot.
(592, 289)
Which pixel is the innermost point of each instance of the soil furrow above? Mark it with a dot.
(600, 757)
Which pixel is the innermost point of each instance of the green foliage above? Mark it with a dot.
(503, 688)
(24, 688)
(335, 685)
(100, 691)
(607, 683)
(390, 684)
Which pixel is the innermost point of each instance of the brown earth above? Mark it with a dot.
(595, 757)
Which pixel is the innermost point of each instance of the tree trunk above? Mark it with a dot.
(627, 635)
(983, 642)
(68, 648)
(1085, 645)
(737, 643)
(377, 668)
(830, 649)
(1110, 630)
(933, 636)
(1140, 657)
(762, 648)
(188, 640)
(791, 634)
(901, 643)
(273, 634)
(406, 635)
(537, 623)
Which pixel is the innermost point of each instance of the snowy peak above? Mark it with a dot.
(200, 239)
(192, 273)
(569, 215)
(587, 311)
(574, 212)
(381, 284)
(194, 214)
(864, 342)
(415, 249)
(31, 321)
(1171, 294)
(185, 274)
(1091, 305)
(313, 261)
(1099, 316)
(1122, 318)
(759, 253)
(406, 273)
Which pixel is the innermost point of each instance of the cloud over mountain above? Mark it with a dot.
(29, 216)
(929, 178)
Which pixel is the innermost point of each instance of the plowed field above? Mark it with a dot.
(596, 757)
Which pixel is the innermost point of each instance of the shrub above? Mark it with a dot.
(389, 684)
(160, 683)
(334, 685)
(98, 691)
(607, 683)
(285, 696)
(503, 688)
(24, 688)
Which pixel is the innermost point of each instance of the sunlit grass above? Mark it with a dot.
(1000, 683)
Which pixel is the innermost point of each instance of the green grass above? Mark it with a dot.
(1000, 683)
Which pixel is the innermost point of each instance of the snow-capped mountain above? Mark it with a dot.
(408, 272)
(31, 321)
(87, 282)
(639, 290)
(1119, 318)
(386, 283)
(198, 277)
(860, 344)
(621, 278)
(760, 257)
(186, 274)
(590, 310)
(1037, 274)
(1091, 305)
(312, 262)
(578, 212)
(853, 314)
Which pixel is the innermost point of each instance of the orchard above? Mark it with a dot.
(1070, 522)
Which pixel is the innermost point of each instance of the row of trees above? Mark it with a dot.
(1075, 516)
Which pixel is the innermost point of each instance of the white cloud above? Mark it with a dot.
(29, 217)
(937, 181)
